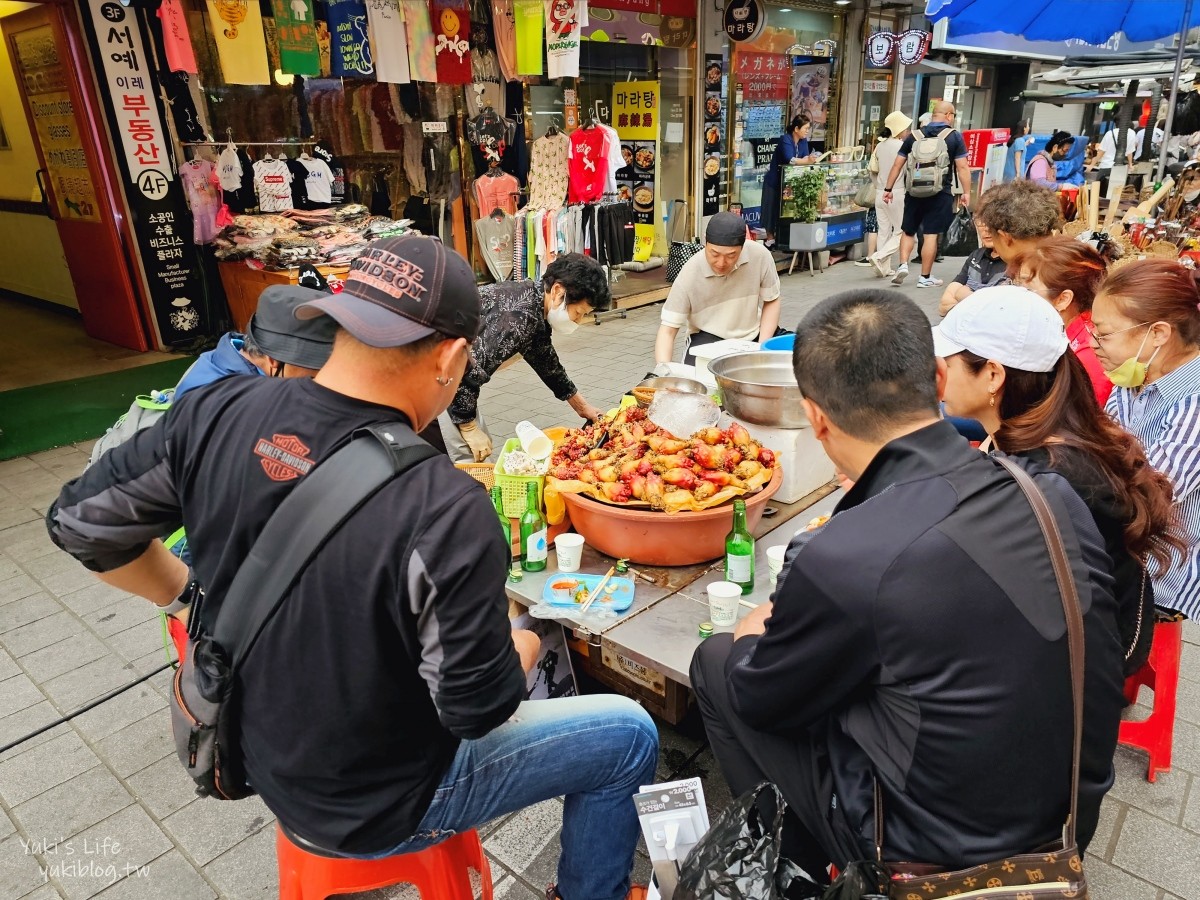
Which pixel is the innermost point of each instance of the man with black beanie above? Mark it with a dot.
(730, 291)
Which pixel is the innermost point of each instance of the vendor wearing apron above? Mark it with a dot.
(728, 292)
(520, 317)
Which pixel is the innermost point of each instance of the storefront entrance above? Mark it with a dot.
(71, 172)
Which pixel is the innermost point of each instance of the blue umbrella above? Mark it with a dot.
(1093, 21)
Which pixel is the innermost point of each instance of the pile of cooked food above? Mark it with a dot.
(628, 460)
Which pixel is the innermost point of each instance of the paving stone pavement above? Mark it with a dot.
(100, 806)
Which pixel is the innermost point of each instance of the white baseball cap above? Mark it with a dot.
(1010, 324)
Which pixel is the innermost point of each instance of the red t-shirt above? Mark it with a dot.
(1081, 344)
(587, 165)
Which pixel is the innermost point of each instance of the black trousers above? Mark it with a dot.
(815, 834)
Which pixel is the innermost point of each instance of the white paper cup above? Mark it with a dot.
(569, 548)
(723, 597)
(775, 560)
(533, 440)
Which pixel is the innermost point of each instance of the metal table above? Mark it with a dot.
(646, 651)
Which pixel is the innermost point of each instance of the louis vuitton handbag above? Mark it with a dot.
(1055, 870)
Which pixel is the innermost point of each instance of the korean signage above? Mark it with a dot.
(57, 129)
(764, 76)
(635, 109)
(162, 225)
(743, 19)
(910, 47)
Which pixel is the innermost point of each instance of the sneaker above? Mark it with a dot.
(901, 274)
(928, 281)
(880, 270)
(862, 263)
(637, 892)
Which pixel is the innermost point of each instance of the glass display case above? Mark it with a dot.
(827, 189)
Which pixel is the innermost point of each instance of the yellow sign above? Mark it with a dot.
(66, 163)
(635, 109)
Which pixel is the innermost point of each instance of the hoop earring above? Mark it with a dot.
(443, 381)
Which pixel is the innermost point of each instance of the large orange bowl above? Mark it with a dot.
(656, 539)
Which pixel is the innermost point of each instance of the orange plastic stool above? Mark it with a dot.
(1161, 675)
(179, 636)
(439, 872)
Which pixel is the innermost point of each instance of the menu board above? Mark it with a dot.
(716, 191)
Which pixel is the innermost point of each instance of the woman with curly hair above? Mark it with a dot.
(1008, 367)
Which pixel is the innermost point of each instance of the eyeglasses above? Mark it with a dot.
(1101, 338)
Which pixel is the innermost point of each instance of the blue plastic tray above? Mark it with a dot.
(618, 601)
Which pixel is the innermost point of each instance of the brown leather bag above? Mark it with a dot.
(1053, 871)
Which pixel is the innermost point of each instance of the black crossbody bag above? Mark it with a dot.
(204, 701)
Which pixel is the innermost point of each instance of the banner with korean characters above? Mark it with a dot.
(716, 190)
(161, 222)
(636, 116)
(40, 69)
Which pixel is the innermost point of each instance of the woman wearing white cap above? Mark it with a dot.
(1008, 367)
(889, 215)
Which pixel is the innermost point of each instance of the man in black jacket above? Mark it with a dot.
(918, 640)
(381, 706)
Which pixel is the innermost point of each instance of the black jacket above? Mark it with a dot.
(393, 645)
(922, 632)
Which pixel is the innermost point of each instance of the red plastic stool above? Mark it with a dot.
(1161, 675)
(179, 636)
(439, 872)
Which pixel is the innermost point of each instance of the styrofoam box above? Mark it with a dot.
(708, 352)
(805, 465)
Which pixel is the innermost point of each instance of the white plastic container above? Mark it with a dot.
(711, 351)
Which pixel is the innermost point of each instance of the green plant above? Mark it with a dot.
(807, 193)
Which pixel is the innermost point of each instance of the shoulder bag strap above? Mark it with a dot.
(304, 521)
(1074, 617)
(1075, 643)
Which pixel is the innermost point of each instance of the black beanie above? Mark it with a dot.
(726, 229)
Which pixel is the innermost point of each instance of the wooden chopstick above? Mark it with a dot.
(596, 592)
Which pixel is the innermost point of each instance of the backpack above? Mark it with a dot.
(145, 410)
(928, 164)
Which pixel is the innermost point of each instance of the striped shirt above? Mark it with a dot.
(1165, 416)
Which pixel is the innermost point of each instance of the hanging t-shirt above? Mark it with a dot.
(203, 190)
(273, 184)
(229, 168)
(389, 43)
(176, 40)
(548, 177)
(495, 235)
(612, 153)
(319, 183)
(587, 164)
(298, 50)
(241, 43)
(564, 19)
(527, 17)
(422, 62)
(494, 192)
(452, 30)
(350, 53)
(299, 184)
(504, 30)
(338, 172)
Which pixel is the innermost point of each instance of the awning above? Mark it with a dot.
(933, 67)
(1064, 99)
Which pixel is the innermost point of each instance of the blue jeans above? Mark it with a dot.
(596, 750)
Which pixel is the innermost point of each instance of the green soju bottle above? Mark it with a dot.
(505, 524)
(533, 533)
(739, 550)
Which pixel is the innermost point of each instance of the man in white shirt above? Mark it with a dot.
(1156, 139)
(1108, 155)
(730, 291)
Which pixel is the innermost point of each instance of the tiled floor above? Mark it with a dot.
(111, 774)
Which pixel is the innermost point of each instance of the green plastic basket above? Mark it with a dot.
(513, 487)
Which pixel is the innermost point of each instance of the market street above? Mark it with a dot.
(104, 797)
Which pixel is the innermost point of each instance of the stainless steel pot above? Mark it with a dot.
(674, 383)
(760, 388)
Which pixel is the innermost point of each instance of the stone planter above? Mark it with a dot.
(806, 236)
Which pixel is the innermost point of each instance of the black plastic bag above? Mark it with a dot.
(961, 237)
(738, 859)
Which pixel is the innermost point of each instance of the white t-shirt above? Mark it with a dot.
(1155, 141)
(389, 40)
(273, 184)
(1108, 149)
(229, 169)
(319, 183)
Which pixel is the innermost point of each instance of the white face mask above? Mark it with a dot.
(560, 319)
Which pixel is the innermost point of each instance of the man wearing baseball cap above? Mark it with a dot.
(383, 706)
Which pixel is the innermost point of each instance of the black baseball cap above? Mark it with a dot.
(275, 329)
(403, 289)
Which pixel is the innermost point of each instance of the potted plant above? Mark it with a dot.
(806, 232)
